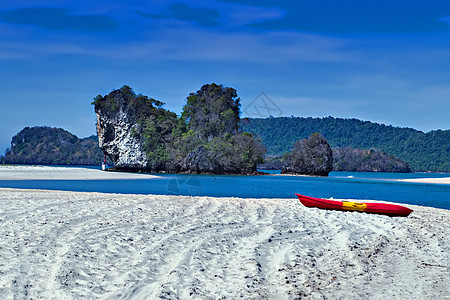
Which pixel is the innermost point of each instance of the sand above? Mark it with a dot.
(74, 245)
(444, 180)
(14, 172)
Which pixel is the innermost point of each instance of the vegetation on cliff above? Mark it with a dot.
(52, 146)
(209, 125)
(204, 139)
(151, 123)
(421, 151)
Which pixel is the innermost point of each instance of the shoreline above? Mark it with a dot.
(39, 172)
(26, 172)
(110, 246)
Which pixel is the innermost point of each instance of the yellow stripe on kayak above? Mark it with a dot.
(354, 206)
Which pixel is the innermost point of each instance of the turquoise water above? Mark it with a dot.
(340, 185)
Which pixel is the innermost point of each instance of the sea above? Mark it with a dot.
(338, 185)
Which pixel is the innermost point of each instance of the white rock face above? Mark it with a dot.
(116, 139)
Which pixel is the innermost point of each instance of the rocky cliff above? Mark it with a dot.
(116, 124)
(312, 156)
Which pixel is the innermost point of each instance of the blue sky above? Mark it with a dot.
(382, 61)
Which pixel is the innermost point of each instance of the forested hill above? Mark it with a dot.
(422, 151)
(52, 146)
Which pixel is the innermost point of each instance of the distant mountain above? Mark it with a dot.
(422, 151)
(350, 160)
(52, 146)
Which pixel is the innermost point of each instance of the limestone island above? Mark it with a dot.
(139, 135)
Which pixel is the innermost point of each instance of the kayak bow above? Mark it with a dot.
(374, 208)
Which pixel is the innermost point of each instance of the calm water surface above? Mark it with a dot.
(341, 185)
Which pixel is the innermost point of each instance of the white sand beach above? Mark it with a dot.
(23, 172)
(74, 245)
(444, 180)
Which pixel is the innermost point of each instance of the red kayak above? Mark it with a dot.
(375, 208)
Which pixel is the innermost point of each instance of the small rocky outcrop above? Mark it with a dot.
(312, 156)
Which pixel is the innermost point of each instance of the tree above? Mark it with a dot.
(212, 111)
